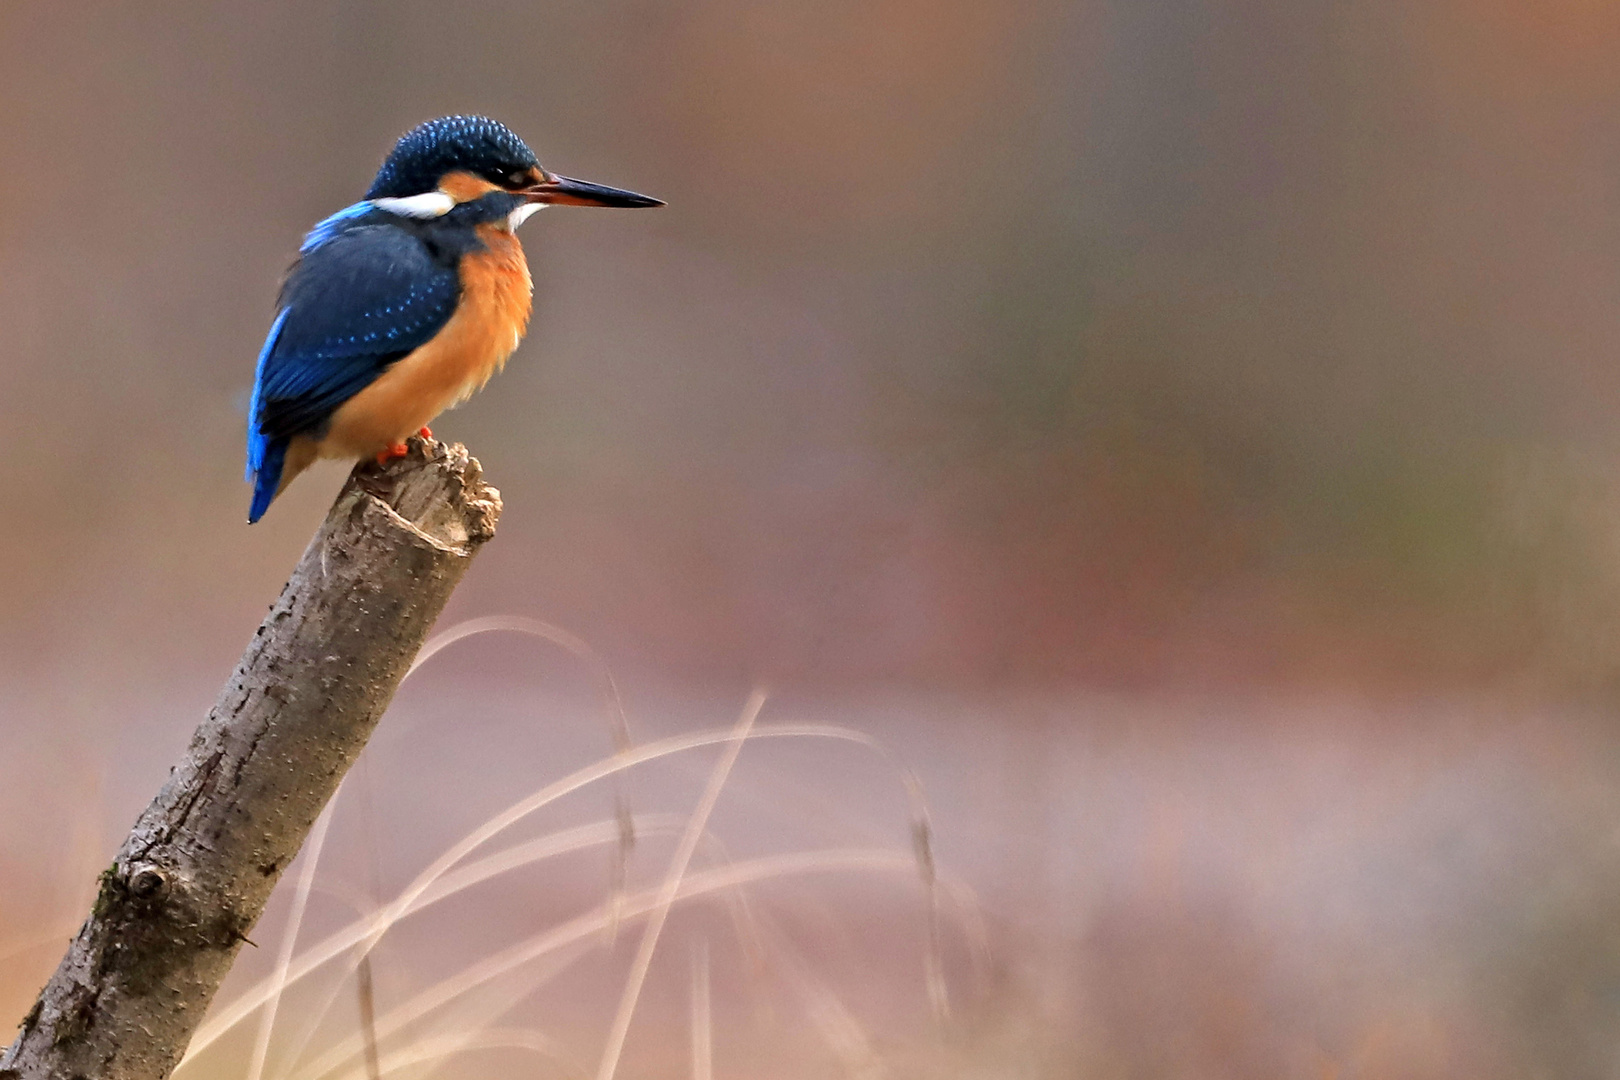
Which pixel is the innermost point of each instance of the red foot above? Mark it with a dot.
(396, 450)
(426, 432)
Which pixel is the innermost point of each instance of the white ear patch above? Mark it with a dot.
(430, 204)
(521, 214)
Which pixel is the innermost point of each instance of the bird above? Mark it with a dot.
(404, 304)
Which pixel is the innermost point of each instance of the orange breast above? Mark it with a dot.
(496, 297)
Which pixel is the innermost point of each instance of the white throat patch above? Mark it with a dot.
(521, 214)
(430, 204)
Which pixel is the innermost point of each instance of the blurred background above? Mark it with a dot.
(1184, 431)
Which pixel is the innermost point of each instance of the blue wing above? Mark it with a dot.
(361, 297)
(337, 223)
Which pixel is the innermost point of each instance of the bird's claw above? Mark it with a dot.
(399, 449)
(394, 450)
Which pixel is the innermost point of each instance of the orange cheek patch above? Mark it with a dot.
(465, 187)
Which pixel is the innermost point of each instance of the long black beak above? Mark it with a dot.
(563, 191)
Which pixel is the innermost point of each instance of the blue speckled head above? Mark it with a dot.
(474, 144)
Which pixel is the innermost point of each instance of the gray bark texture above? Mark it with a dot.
(193, 876)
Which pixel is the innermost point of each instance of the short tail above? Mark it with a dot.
(267, 477)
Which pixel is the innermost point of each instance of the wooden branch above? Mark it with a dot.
(194, 875)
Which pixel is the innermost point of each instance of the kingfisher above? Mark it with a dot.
(404, 304)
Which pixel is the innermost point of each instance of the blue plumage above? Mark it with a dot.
(257, 441)
(364, 294)
(266, 475)
(335, 224)
(354, 304)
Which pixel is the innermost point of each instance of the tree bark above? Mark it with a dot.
(195, 873)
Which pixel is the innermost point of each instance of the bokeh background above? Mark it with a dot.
(1183, 430)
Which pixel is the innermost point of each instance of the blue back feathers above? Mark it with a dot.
(256, 439)
(361, 297)
(325, 230)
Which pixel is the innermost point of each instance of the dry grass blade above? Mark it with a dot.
(341, 941)
(672, 883)
(618, 723)
(702, 1020)
(289, 937)
(579, 779)
(429, 1051)
(440, 880)
(838, 1027)
(584, 928)
(368, 1017)
(620, 762)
